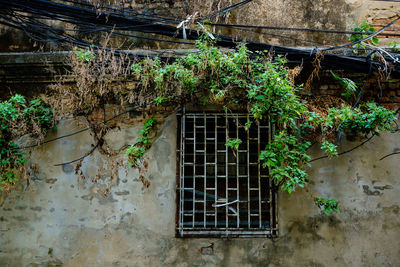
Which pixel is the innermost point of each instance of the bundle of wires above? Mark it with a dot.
(33, 16)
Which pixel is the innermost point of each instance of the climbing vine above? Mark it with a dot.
(18, 117)
(327, 205)
(258, 82)
(363, 27)
(135, 152)
(264, 85)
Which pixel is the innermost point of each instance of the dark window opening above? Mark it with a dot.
(221, 192)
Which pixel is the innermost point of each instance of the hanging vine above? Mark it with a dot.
(259, 82)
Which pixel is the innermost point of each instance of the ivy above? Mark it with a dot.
(285, 157)
(260, 83)
(363, 27)
(329, 148)
(136, 152)
(327, 205)
(266, 87)
(368, 118)
(159, 100)
(18, 117)
(233, 143)
(84, 54)
(394, 45)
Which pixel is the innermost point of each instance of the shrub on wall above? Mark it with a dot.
(18, 117)
(261, 83)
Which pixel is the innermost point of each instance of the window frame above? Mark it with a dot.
(269, 231)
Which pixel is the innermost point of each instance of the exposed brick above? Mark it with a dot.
(334, 86)
(334, 92)
(393, 28)
(386, 99)
(321, 93)
(394, 85)
(392, 106)
(383, 22)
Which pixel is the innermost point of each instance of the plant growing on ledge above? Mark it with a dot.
(265, 86)
(258, 82)
(363, 27)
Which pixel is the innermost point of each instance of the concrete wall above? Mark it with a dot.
(61, 219)
(322, 14)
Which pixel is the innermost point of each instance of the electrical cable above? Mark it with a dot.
(284, 37)
(365, 38)
(224, 10)
(295, 29)
(368, 59)
(89, 16)
(82, 130)
(81, 43)
(347, 151)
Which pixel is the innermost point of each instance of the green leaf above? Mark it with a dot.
(327, 205)
(233, 143)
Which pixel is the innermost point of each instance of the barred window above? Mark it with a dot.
(223, 192)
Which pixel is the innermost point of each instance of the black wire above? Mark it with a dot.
(44, 6)
(391, 154)
(224, 10)
(89, 16)
(153, 24)
(151, 38)
(368, 59)
(82, 130)
(81, 43)
(283, 37)
(111, 30)
(347, 151)
(92, 29)
(295, 29)
(55, 139)
(81, 158)
(131, 11)
(137, 11)
(365, 38)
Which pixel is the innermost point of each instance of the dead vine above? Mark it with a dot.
(321, 106)
(319, 56)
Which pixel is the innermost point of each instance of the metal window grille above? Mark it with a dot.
(221, 192)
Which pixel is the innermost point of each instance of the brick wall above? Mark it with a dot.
(395, 28)
(327, 86)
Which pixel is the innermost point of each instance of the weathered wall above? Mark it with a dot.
(323, 14)
(135, 226)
